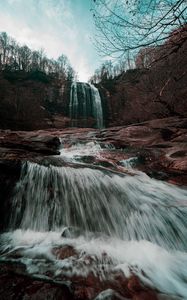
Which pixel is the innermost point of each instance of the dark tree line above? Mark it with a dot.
(108, 71)
(14, 57)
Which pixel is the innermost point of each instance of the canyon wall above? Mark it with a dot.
(32, 100)
(156, 88)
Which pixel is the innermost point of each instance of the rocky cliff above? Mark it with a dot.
(32, 100)
(153, 90)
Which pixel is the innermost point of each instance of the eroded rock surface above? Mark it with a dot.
(159, 145)
(15, 283)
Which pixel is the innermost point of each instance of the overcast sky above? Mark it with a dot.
(58, 26)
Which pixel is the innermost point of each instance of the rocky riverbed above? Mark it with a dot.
(160, 145)
(157, 148)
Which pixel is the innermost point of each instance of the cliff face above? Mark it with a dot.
(152, 92)
(34, 100)
(30, 101)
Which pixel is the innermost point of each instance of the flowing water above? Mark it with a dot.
(139, 222)
(85, 102)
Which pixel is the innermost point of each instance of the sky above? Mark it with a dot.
(57, 26)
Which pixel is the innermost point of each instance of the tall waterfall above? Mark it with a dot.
(85, 103)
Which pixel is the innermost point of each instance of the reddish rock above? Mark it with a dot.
(139, 292)
(15, 287)
(145, 295)
(160, 146)
(153, 90)
(62, 253)
(15, 283)
(134, 285)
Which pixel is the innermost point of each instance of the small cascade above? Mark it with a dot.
(73, 221)
(126, 207)
(85, 103)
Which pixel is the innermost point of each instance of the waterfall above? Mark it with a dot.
(73, 106)
(97, 108)
(127, 207)
(85, 103)
(127, 223)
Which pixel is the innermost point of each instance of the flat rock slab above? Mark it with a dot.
(160, 144)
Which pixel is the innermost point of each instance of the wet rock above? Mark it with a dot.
(166, 134)
(46, 291)
(161, 143)
(88, 159)
(168, 297)
(14, 285)
(30, 141)
(149, 295)
(71, 232)
(9, 174)
(64, 252)
(109, 295)
(134, 285)
(139, 292)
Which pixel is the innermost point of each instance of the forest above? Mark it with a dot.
(93, 150)
(14, 57)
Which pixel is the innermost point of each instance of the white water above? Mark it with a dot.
(139, 222)
(73, 106)
(156, 267)
(97, 107)
(129, 207)
(77, 151)
(85, 102)
(129, 163)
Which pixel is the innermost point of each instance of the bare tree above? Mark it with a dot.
(4, 45)
(24, 58)
(124, 27)
(14, 57)
(109, 70)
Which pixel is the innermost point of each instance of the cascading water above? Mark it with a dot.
(127, 207)
(97, 107)
(73, 106)
(141, 223)
(85, 103)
